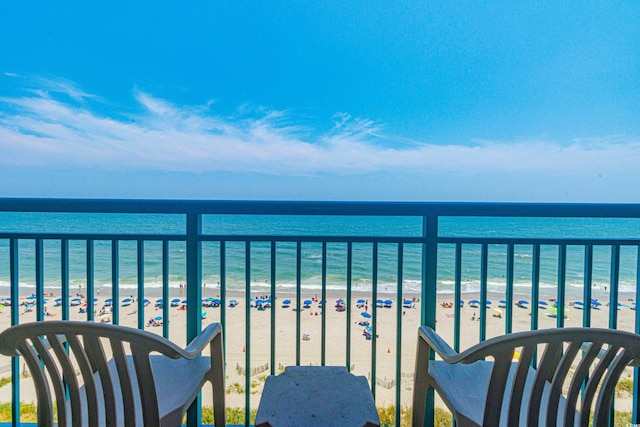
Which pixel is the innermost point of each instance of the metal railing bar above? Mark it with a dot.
(457, 296)
(14, 278)
(140, 295)
(291, 238)
(223, 292)
(535, 285)
(614, 286)
(273, 308)
(298, 298)
(484, 260)
(64, 277)
(508, 328)
(115, 282)
(562, 278)
(39, 252)
(588, 282)
(323, 298)
(374, 317)
(540, 241)
(349, 302)
(399, 314)
(93, 236)
(399, 209)
(535, 295)
(90, 280)
(247, 313)
(635, 418)
(165, 289)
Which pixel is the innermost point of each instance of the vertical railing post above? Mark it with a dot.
(399, 319)
(588, 281)
(247, 335)
(509, 294)
(15, 301)
(484, 266)
(635, 417)
(64, 277)
(429, 282)
(457, 296)
(90, 281)
(115, 282)
(562, 279)
(140, 295)
(194, 297)
(349, 305)
(39, 280)
(165, 289)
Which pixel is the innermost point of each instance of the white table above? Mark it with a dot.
(316, 396)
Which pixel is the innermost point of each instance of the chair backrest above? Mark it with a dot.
(73, 358)
(583, 365)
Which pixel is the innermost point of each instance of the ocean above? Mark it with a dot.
(311, 254)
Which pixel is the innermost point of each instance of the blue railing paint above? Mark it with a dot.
(430, 213)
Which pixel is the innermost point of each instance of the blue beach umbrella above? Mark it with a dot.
(175, 302)
(502, 303)
(307, 302)
(474, 301)
(523, 302)
(542, 304)
(488, 303)
(365, 315)
(286, 303)
(360, 301)
(388, 302)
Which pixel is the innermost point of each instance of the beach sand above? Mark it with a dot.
(386, 353)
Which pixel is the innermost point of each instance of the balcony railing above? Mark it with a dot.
(419, 256)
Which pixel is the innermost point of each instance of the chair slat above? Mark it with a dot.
(495, 391)
(594, 380)
(56, 379)
(45, 405)
(544, 373)
(559, 378)
(216, 376)
(607, 388)
(58, 352)
(98, 360)
(519, 380)
(70, 379)
(124, 380)
(146, 385)
(579, 378)
(87, 377)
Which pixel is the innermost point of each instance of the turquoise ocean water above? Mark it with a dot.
(311, 260)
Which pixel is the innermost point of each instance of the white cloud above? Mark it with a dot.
(57, 126)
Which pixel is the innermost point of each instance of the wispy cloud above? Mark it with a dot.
(58, 124)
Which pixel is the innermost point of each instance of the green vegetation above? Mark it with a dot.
(624, 388)
(235, 416)
(4, 381)
(235, 388)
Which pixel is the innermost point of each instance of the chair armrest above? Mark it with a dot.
(198, 344)
(438, 344)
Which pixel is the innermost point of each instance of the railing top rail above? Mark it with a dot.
(133, 206)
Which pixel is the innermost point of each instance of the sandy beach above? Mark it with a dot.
(311, 322)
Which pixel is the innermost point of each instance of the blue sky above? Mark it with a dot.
(332, 100)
